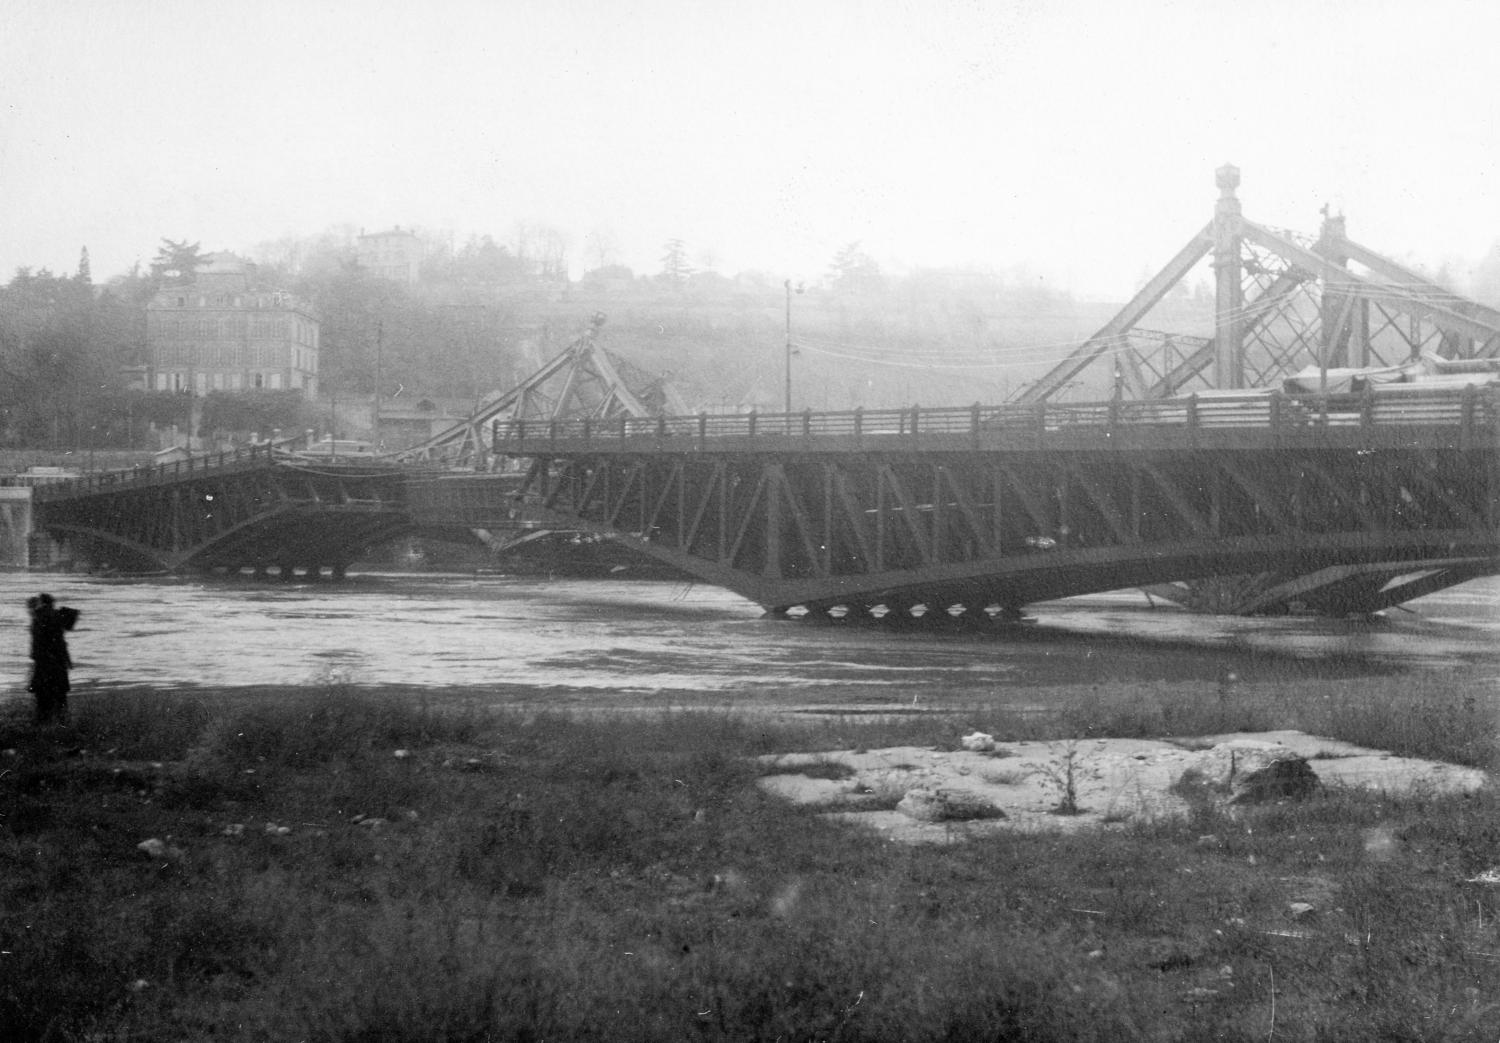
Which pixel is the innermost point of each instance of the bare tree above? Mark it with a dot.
(603, 247)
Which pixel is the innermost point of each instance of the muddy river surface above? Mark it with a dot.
(606, 639)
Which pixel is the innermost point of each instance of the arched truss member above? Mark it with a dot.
(585, 381)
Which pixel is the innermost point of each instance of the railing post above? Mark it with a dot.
(1192, 418)
(661, 427)
(1367, 408)
(588, 428)
(807, 423)
(974, 423)
(552, 430)
(752, 423)
(1276, 417)
(859, 422)
(624, 425)
(916, 412)
(703, 428)
(1040, 420)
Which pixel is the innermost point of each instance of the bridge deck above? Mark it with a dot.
(1359, 500)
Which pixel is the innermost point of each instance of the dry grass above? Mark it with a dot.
(521, 876)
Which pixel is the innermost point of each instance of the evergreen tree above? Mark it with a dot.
(855, 271)
(177, 262)
(674, 266)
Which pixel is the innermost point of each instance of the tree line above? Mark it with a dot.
(483, 314)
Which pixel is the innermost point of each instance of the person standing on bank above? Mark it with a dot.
(50, 661)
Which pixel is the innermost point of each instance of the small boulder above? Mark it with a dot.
(157, 848)
(1248, 771)
(945, 805)
(979, 742)
(1290, 778)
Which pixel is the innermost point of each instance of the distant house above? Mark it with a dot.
(407, 422)
(223, 332)
(395, 255)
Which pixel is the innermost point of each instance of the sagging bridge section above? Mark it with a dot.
(261, 509)
(1340, 504)
(1343, 506)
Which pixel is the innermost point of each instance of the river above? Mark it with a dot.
(597, 640)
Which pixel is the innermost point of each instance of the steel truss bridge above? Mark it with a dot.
(1239, 501)
(261, 509)
(977, 512)
(1344, 505)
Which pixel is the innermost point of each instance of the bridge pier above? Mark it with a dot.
(15, 526)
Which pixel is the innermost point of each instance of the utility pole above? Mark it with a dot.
(788, 285)
(379, 339)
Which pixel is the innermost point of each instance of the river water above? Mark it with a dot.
(585, 640)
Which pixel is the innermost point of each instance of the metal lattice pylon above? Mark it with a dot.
(1282, 302)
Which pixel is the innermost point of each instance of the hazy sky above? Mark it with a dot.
(1077, 137)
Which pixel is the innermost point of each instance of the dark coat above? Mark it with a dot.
(49, 649)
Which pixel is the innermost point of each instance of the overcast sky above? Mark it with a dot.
(1076, 137)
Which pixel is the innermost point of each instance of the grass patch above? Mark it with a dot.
(345, 866)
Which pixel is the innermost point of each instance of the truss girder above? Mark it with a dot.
(1197, 248)
(1419, 284)
(1356, 589)
(274, 514)
(585, 380)
(1283, 302)
(1012, 528)
(1405, 299)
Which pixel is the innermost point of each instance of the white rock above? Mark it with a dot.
(1227, 761)
(979, 742)
(944, 805)
(157, 848)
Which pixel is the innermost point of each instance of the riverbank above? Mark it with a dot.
(350, 864)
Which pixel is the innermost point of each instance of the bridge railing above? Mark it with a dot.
(1467, 410)
(174, 471)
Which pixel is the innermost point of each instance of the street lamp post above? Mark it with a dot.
(788, 285)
